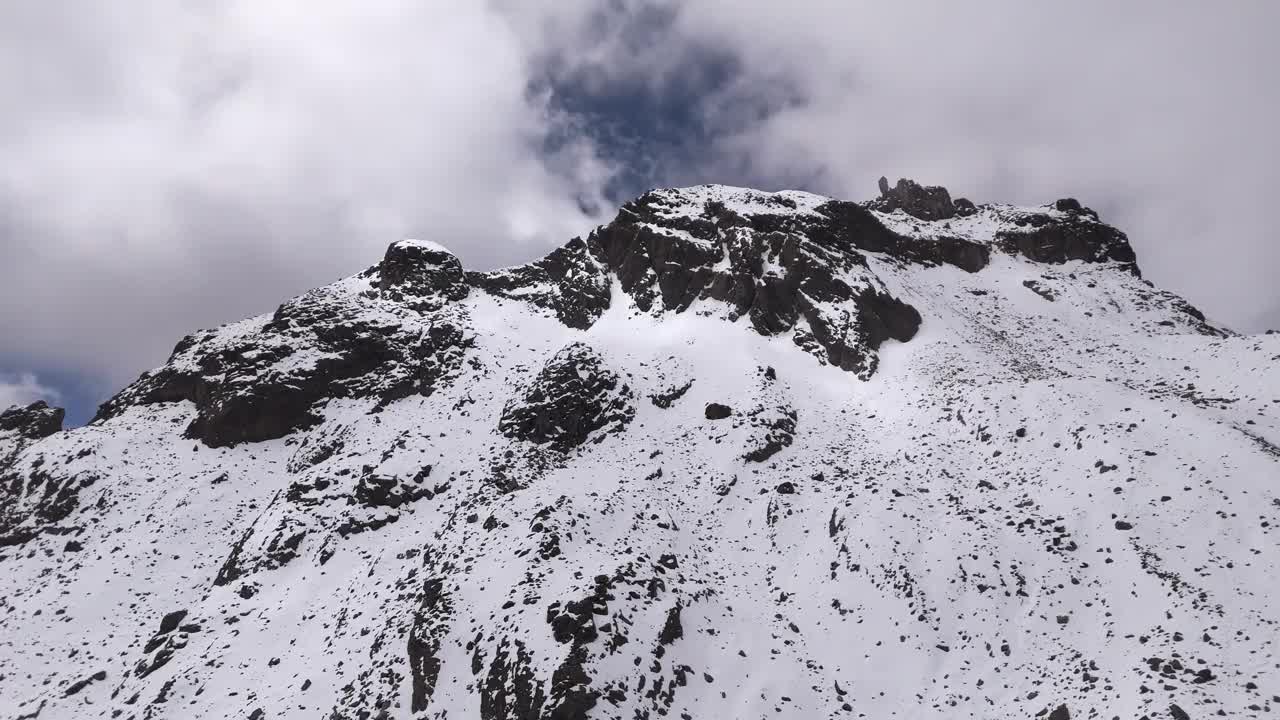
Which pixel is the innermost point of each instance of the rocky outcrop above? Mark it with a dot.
(422, 275)
(926, 202)
(773, 429)
(430, 623)
(574, 396)
(785, 272)
(34, 500)
(568, 282)
(854, 224)
(34, 421)
(322, 345)
(34, 496)
(1076, 236)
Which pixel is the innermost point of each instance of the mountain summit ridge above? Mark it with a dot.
(790, 262)
(731, 454)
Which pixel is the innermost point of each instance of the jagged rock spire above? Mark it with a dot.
(927, 202)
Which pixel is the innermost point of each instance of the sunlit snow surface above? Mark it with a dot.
(1030, 504)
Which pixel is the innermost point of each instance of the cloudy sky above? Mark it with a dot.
(167, 165)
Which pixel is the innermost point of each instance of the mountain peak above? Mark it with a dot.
(731, 454)
(793, 264)
(421, 274)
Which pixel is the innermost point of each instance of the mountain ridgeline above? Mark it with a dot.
(732, 454)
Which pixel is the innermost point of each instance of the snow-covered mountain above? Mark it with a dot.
(733, 455)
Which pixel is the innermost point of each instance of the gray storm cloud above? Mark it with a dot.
(170, 166)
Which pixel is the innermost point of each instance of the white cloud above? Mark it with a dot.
(176, 165)
(23, 389)
(1160, 115)
(184, 164)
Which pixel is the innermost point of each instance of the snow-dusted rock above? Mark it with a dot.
(732, 454)
(421, 274)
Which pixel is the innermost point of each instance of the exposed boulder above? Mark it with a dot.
(1072, 206)
(716, 411)
(965, 207)
(1040, 289)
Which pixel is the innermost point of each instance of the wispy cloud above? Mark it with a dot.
(23, 389)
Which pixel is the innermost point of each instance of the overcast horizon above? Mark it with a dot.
(174, 166)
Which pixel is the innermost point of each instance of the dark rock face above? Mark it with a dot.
(1048, 239)
(79, 685)
(170, 622)
(375, 490)
(35, 497)
(965, 207)
(430, 622)
(774, 429)
(162, 646)
(666, 398)
(510, 690)
(574, 624)
(569, 282)
(573, 396)
(421, 275)
(927, 202)
(249, 390)
(853, 224)
(259, 412)
(34, 421)
(784, 272)
(672, 629)
(34, 501)
(432, 362)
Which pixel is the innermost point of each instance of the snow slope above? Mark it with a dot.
(733, 455)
